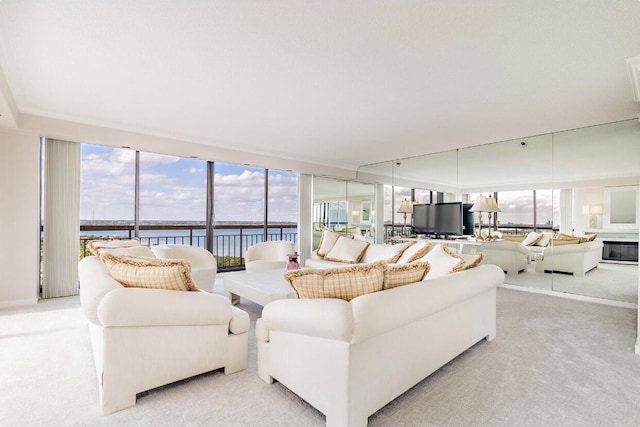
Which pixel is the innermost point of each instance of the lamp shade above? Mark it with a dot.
(480, 205)
(406, 207)
(595, 210)
(493, 205)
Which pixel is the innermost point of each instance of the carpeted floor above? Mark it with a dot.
(618, 282)
(555, 362)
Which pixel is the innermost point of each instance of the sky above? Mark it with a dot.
(174, 188)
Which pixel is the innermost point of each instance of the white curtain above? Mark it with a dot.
(61, 218)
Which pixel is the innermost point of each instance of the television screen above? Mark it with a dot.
(423, 219)
(448, 218)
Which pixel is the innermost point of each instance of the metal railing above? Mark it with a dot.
(230, 241)
(395, 230)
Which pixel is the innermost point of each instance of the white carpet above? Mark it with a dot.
(555, 362)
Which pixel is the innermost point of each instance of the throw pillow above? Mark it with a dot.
(443, 261)
(388, 253)
(560, 242)
(532, 238)
(343, 282)
(94, 245)
(472, 260)
(414, 252)
(347, 250)
(133, 251)
(169, 274)
(514, 237)
(404, 274)
(328, 239)
(544, 240)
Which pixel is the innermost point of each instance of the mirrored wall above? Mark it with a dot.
(580, 183)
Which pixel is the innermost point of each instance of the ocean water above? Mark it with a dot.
(227, 242)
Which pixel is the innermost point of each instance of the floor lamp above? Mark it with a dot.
(405, 208)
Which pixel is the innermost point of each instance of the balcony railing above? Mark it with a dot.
(230, 241)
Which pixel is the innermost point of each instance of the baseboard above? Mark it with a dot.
(574, 297)
(18, 302)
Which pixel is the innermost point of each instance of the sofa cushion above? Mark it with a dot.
(328, 239)
(344, 283)
(532, 238)
(582, 239)
(347, 250)
(388, 253)
(443, 261)
(94, 245)
(404, 274)
(140, 251)
(414, 252)
(169, 274)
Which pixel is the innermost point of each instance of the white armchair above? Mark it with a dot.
(268, 255)
(204, 266)
(511, 257)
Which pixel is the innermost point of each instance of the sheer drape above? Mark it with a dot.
(61, 218)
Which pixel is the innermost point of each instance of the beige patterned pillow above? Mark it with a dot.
(94, 245)
(343, 282)
(472, 260)
(564, 241)
(388, 253)
(404, 274)
(140, 251)
(328, 239)
(414, 252)
(347, 250)
(169, 274)
(514, 237)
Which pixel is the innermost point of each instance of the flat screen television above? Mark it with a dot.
(423, 219)
(448, 219)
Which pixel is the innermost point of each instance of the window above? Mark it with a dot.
(107, 191)
(173, 193)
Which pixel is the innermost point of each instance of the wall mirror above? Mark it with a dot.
(573, 182)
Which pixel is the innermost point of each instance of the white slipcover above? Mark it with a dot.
(349, 359)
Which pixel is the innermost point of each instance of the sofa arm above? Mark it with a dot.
(322, 318)
(156, 307)
(240, 321)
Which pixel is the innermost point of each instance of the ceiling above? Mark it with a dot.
(340, 83)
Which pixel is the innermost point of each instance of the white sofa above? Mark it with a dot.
(511, 257)
(145, 338)
(271, 255)
(349, 359)
(576, 259)
(204, 266)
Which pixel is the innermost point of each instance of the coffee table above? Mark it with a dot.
(261, 287)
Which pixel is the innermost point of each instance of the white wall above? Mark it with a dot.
(19, 218)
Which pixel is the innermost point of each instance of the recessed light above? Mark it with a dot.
(126, 147)
(194, 157)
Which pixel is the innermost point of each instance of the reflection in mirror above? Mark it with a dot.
(572, 184)
(596, 171)
(343, 206)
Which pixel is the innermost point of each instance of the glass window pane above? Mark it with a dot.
(238, 204)
(107, 191)
(283, 205)
(517, 209)
(173, 193)
(545, 209)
